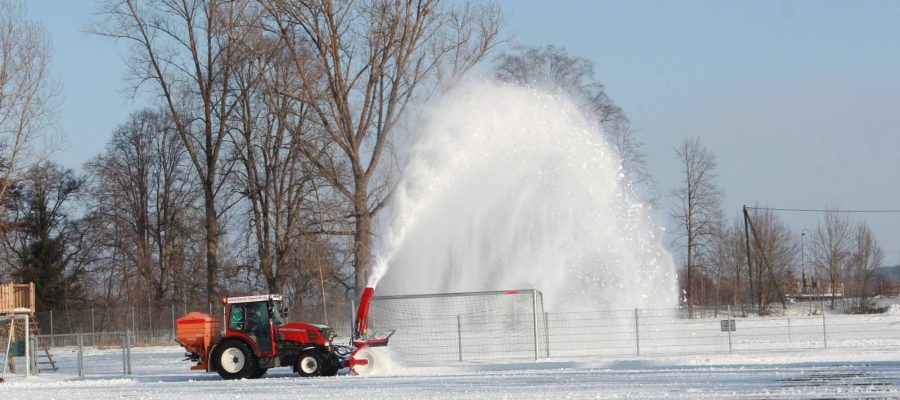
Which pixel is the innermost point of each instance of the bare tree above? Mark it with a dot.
(866, 257)
(274, 175)
(360, 66)
(633, 160)
(722, 262)
(553, 68)
(141, 189)
(27, 92)
(830, 249)
(699, 204)
(775, 252)
(188, 50)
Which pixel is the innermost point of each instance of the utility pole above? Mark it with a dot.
(749, 260)
(803, 259)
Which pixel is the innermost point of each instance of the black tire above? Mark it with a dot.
(259, 373)
(331, 371)
(332, 366)
(332, 363)
(310, 363)
(235, 360)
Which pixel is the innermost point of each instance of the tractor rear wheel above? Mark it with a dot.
(310, 363)
(235, 360)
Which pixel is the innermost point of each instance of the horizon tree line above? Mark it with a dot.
(756, 262)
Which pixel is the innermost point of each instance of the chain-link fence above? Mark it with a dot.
(161, 318)
(106, 353)
(608, 334)
(640, 333)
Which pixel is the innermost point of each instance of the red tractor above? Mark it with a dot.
(256, 337)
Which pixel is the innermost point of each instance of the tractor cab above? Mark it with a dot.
(255, 318)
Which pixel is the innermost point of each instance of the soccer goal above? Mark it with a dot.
(15, 340)
(471, 326)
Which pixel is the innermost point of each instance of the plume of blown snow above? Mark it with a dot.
(510, 188)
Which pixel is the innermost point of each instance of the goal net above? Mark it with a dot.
(15, 359)
(472, 326)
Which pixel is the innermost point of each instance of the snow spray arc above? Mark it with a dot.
(511, 187)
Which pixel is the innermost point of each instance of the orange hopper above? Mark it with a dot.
(198, 333)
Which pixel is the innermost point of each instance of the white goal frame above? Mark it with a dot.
(475, 326)
(26, 320)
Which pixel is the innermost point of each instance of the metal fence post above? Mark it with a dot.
(128, 349)
(534, 312)
(124, 354)
(547, 333)
(52, 340)
(80, 355)
(28, 349)
(824, 330)
(637, 333)
(352, 325)
(34, 362)
(459, 335)
(173, 320)
(729, 329)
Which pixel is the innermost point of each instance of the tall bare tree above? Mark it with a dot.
(830, 249)
(276, 179)
(141, 189)
(699, 204)
(27, 92)
(866, 257)
(775, 253)
(554, 68)
(188, 50)
(360, 66)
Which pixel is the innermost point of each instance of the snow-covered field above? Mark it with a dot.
(159, 373)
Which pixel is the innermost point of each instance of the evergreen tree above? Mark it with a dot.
(44, 255)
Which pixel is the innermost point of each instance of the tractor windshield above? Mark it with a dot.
(277, 316)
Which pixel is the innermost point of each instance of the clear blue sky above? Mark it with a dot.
(799, 100)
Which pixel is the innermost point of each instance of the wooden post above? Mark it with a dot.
(32, 305)
(10, 359)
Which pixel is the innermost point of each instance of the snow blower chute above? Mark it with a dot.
(364, 359)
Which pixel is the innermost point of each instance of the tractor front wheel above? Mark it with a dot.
(310, 363)
(235, 360)
(259, 373)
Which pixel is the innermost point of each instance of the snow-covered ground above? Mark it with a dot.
(159, 373)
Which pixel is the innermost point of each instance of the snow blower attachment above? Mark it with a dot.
(364, 360)
(256, 337)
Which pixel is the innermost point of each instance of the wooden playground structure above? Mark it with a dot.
(17, 298)
(19, 325)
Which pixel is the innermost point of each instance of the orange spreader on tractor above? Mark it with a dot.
(256, 337)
